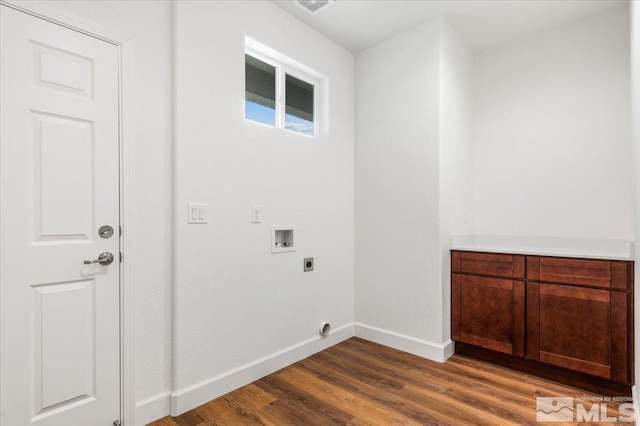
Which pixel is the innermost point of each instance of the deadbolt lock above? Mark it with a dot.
(105, 231)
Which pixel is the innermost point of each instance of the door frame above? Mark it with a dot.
(126, 134)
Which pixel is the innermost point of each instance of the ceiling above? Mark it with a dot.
(483, 24)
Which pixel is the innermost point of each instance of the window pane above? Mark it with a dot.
(298, 106)
(260, 91)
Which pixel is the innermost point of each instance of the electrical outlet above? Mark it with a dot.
(308, 264)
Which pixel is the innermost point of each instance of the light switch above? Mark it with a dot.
(196, 213)
(256, 214)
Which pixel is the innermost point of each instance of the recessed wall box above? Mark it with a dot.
(308, 264)
(282, 239)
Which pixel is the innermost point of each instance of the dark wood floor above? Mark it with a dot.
(361, 383)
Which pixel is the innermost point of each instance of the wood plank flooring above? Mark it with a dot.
(361, 383)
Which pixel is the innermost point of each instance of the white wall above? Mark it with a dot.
(635, 114)
(551, 140)
(148, 22)
(398, 281)
(413, 173)
(236, 303)
(456, 162)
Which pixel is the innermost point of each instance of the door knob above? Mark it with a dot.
(105, 258)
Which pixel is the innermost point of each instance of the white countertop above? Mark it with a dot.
(590, 248)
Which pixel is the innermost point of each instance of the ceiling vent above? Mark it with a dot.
(313, 6)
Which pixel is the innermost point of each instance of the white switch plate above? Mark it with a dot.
(256, 214)
(196, 213)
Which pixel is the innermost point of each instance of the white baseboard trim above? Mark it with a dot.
(192, 396)
(439, 352)
(152, 408)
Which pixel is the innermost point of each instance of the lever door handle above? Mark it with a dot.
(105, 258)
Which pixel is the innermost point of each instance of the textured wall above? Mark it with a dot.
(456, 161)
(635, 82)
(398, 282)
(235, 301)
(551, 141)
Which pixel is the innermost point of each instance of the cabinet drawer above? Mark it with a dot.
(491, 264)
(587, 272)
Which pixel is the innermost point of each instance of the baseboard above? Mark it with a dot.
(153, 408)
(439, 352)
(185, 399)
(195, 395)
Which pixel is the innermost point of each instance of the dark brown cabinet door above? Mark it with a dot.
(488, 312)
(579, 328)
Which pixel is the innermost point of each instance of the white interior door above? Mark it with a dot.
(59, 183)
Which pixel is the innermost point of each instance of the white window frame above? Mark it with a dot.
(286, 66)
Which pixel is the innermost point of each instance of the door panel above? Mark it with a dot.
(59, 182)
(489, 312)
(64, 196)
(575, 328)
(64, 314)
(63, 70)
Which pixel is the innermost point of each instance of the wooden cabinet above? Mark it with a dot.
(488, 308)
(609, 274)
(578, 315)
(488, 264)
(571, 315)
